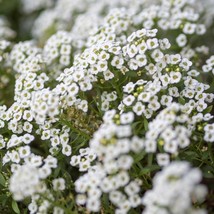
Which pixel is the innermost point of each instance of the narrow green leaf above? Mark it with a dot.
(2, 180)
(15, 207)
(181, 100)
(145, 123)
(138, 157)
(147, 170)
(208, 109)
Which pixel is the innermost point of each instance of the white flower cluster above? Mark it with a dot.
(86, 67)
(24, 182)
(208, 16)
(175, 190)
(23, 56)
(44, 103)
(173, 15)
(109, 93)
(85, 24)
(41, 204)
(16, 150)
(66, 15)
(209, 132)
(169, 126)
(171, 129)
(84, 159)
(112, 145)
(58, 17)
(209, 66)
(107, 99)
(4, 46)
(57, 50)
(27, 179)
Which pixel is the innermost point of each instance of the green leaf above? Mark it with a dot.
(3, 199)
(147, 170)
(209, 109)
(191, 154)
(138, 157)
(15, 207)
(145, 123)
(2, 180)
(208, 171)
(105, 201)
(181, 100)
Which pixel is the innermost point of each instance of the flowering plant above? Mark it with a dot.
(106, 107)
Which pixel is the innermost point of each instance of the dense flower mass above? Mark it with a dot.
(106, 106)
(182, 184)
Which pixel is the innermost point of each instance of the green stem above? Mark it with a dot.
(150, 159)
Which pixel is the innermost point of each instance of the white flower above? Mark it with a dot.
(137, 144)
(108, 75)
(165, 79)
(181, 40)
(132, 188)
(152, 43)
(72, 89)
(133, 64)
(66, 150)
(123, 131)
(116, 197)
(150, 146)
(164, 44)
(24, 151)
(14, 156)
(117, 62)
(138, 108)
(209, 133)
(144, 96)
(175, 77)
(64, 60)
(185, 64)
(189, 28)
(51, 161)
(58, 210)
(132, 50)
(141, 59)
(166, 100)
(27, 138)
(200, 29)
(83, 105)
(127, 118)
(102, 66)
(173, 91)
(171, 146)
(151, 68)
(125, 162)
(128, 100)
(105, 105)
(93, 205)
(163, 159)
(157, 55)
(58, 184)
(44, 171)
(81, 199)
(142, 47)
(75, 160)
(154, 105)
